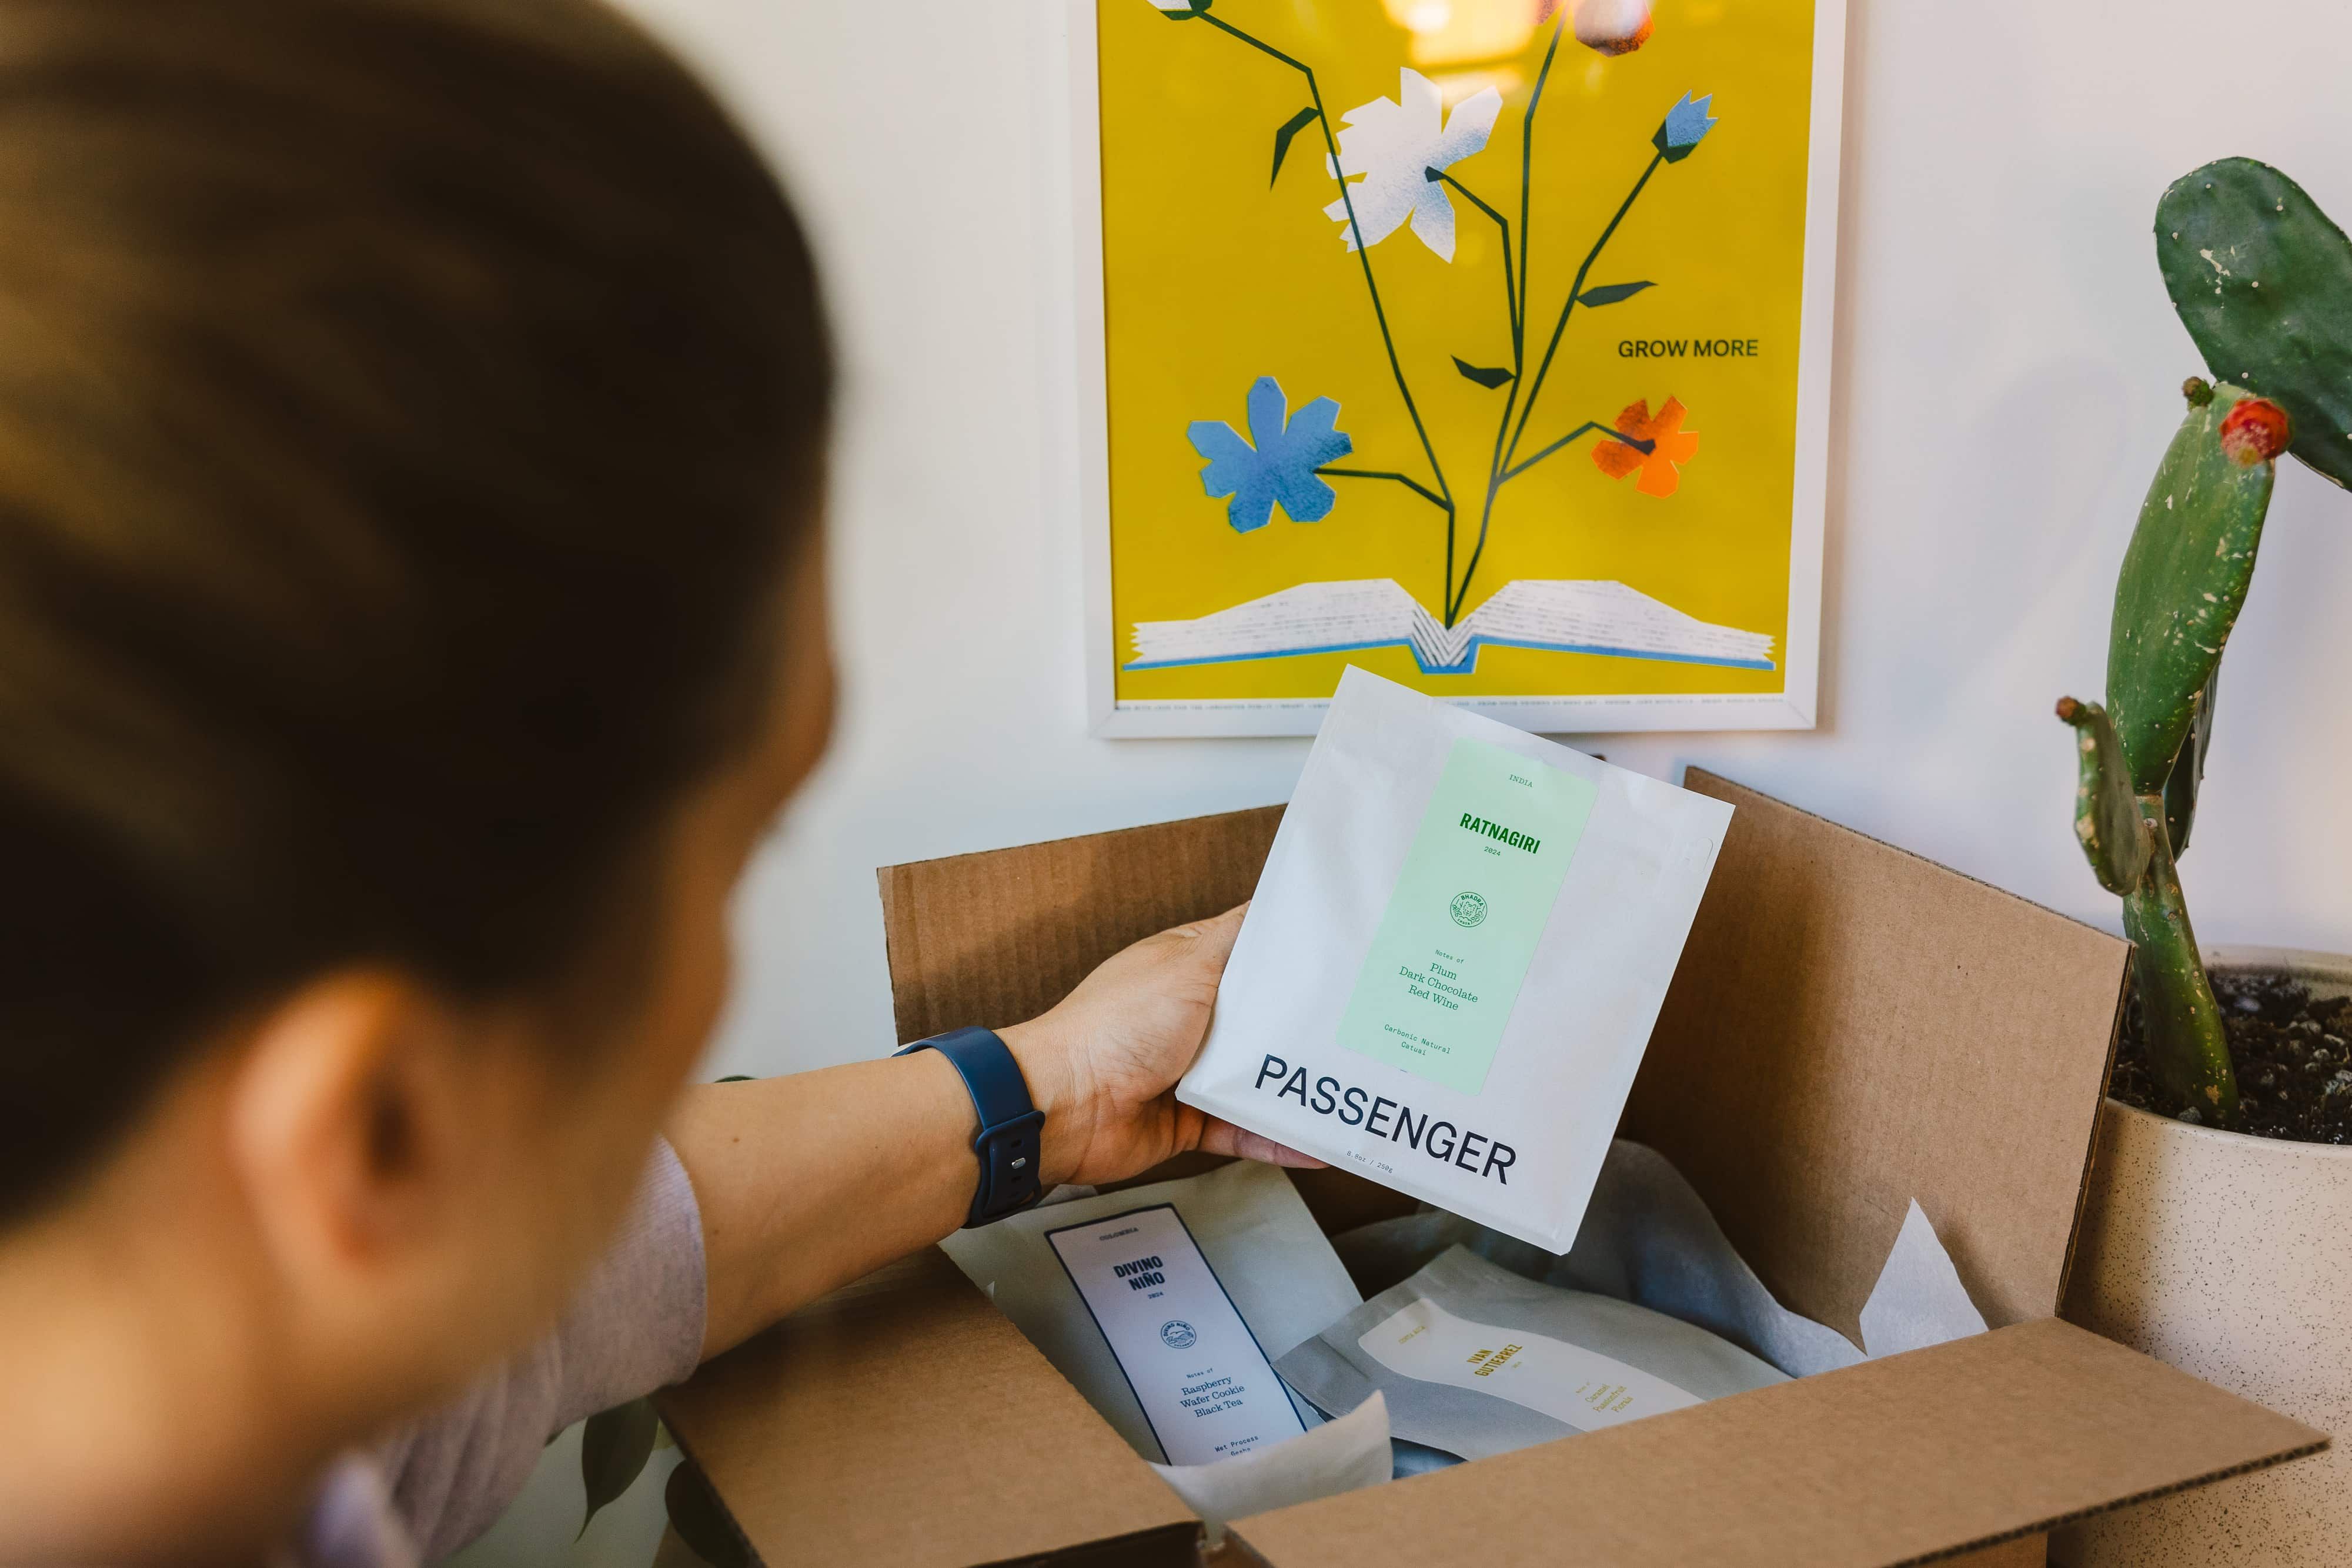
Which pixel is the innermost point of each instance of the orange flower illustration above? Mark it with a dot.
(1661, 467)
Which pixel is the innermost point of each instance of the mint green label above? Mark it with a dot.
(1461, 928)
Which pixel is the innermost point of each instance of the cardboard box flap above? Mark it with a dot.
(1896, 1461)
(997, 937)
(902, 1419)
(1852, 1027)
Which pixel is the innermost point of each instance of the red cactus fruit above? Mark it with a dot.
(2256, 431)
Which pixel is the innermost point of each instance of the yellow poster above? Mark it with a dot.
(1469, 340)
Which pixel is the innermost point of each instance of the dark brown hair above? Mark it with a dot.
(407, 408)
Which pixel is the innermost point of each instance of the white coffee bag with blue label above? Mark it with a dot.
(1166, 1304)
(1456, 952)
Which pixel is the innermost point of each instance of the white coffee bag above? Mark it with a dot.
(1166, 1304)
(1473, 1361)
(1456, 952)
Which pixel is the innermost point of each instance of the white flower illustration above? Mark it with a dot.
(1393, 143)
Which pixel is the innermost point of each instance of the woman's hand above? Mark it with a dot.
(1103, 1064)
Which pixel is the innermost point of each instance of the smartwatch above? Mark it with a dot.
(1009, 1121)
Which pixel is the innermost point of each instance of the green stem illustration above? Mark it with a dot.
(1510, 289)
(1444, 496)
(1415, 485)
(1568, 305)
(1518, 327)
(1496, 482)
(1635, 442)
(1527, 171)
(1500, 470)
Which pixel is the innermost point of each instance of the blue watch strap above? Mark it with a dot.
(1009, 1121)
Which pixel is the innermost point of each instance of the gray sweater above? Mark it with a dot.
(635, 1326)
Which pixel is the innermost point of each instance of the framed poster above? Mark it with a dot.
(1484, 343)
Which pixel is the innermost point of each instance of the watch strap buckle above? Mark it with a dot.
(1009, 1140)
(1008, 1154)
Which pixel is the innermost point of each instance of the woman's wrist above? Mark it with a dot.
(1049, 1068)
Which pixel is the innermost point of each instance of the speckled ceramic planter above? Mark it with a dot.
(2230, 1258)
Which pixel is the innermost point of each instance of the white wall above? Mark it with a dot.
(2006, 365)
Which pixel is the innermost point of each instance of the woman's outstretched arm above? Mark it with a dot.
(808, 1181)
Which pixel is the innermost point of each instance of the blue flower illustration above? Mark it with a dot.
(1686, 125)
(1280, 466)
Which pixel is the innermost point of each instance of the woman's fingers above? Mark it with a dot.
(1222, 1137)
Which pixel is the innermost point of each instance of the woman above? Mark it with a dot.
(412, 421)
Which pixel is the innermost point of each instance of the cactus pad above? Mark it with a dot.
(2187, 1052)
(2184, 577)
(2262, 280)
(2106, 814)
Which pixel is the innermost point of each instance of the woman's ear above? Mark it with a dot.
(346, 1111)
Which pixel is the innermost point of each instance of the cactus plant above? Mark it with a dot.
(2184, 580)
(2262, 280)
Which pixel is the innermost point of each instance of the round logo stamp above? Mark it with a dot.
(1468, 909)
(1178, 1335)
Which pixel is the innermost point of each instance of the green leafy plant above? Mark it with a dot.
(2262, 280)
(614, 1447)
(701, 1520)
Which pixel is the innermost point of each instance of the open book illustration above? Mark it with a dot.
(1569, 616)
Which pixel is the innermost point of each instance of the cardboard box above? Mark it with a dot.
(1851, 1027)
